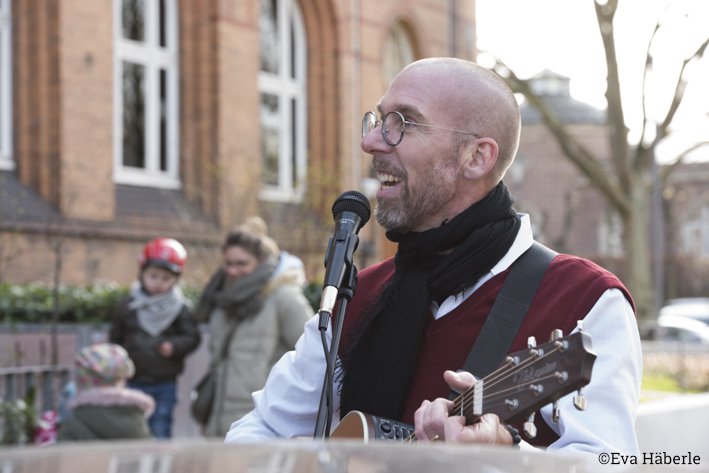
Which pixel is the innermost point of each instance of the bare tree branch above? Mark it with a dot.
(646, 71)
(589, 165)
(605, 13)
(681, 85)
(669, 169)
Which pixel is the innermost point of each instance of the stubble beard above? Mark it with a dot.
(421, 200)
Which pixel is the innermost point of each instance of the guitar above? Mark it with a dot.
(524, 382)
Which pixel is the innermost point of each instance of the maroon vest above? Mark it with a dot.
(568, 291)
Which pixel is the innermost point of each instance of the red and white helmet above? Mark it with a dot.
(164, 253)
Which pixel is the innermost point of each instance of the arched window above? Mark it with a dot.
(398, 51)
(146, 117)
(6, 161)
(610, 235)
(282, 83)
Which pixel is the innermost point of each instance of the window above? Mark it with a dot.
(694, 232)
(6, 162)
(398, 51)
(282, 85)
(610, 235)
(146, 108)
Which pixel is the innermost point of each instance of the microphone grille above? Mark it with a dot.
(352, 201)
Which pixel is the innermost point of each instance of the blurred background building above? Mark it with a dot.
(123, 120)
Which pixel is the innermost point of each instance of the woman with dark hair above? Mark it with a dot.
(256, 310)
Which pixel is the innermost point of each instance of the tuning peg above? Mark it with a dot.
(531, 342)
(580, 400)
(555, 411)
(530, 430)
(579, 325)
(555, 335)
(512, 360)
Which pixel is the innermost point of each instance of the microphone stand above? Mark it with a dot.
(344, 295)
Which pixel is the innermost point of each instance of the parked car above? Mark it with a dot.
(696, 308)
(681, 329)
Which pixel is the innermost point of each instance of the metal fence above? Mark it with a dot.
(41, 384)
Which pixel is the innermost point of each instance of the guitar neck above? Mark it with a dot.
(529, 379)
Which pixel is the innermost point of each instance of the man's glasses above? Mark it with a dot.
(393, 126)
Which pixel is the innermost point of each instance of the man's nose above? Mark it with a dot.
(374, 141)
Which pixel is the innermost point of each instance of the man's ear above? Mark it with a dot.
(479, 158)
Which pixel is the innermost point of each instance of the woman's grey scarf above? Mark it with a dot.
(239, 299)
(156, 313)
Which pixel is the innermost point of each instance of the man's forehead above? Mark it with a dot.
(421, 91)
(401, 107)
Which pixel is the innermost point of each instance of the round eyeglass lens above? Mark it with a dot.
(369, 123)
(393, 128)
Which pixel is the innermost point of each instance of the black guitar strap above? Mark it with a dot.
(510, 307)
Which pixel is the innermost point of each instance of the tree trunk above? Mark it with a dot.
(637, 251)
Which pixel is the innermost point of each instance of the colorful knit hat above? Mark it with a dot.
(102, 364)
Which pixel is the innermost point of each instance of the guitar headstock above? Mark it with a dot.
(531, 378)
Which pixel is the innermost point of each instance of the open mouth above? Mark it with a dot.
(388, 180)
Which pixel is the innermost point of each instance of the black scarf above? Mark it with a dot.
(379, 359)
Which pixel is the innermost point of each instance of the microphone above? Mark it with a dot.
(351, 212)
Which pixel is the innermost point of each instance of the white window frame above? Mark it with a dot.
(289, 90)
(153, 58)
(6, 161)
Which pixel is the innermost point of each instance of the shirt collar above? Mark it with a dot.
(523, 241)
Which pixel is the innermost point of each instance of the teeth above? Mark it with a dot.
(388, 179)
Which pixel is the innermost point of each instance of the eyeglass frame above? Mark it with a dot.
(374, 122)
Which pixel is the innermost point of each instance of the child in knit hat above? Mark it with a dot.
(104, 408)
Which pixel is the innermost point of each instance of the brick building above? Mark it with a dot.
(123, 120)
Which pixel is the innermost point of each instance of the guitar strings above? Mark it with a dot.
(495, 378)
(498, 399)
(465, 401)
(495, 399)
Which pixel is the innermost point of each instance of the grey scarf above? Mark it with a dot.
(156, 313)
(238, 299)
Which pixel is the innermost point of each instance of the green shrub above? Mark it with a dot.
(18, 420)
(313, 292)
(34, 302)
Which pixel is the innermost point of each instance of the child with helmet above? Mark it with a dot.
(103, 407)
(155, 325)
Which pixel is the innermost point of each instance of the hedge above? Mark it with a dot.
(34, 303)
